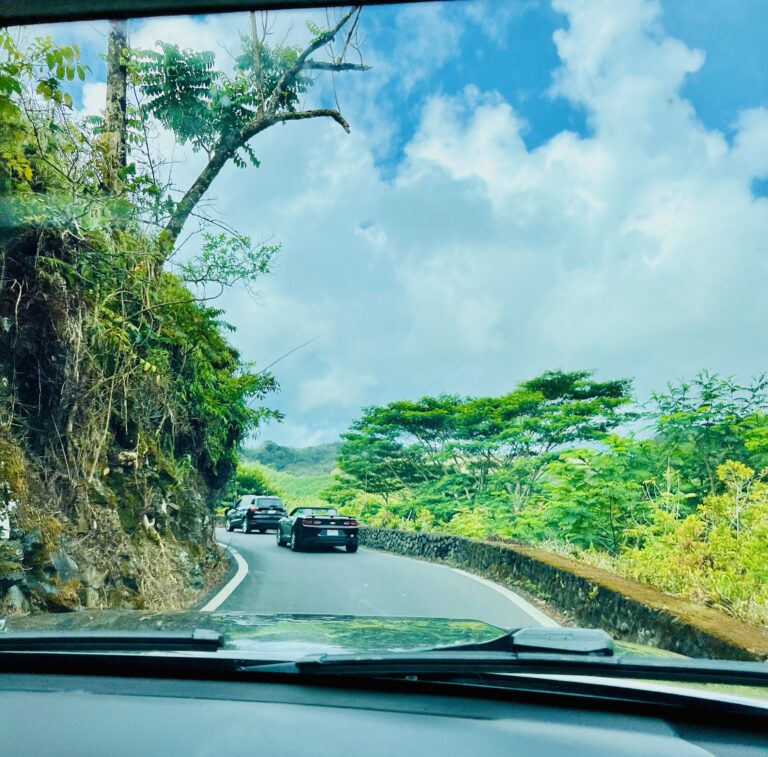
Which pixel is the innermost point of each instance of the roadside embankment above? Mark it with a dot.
(627, 609)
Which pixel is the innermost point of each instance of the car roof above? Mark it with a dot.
(51, 11)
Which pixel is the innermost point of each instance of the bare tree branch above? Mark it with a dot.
(320, 41)
(256, 126)
(319, 65)
(227, 146)
(223, 153)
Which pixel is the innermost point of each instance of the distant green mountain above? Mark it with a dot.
(300, 461)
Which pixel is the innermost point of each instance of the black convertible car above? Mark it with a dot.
(315, 527)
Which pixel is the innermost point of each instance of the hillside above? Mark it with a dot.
(319, 460)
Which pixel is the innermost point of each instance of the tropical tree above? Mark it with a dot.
(449, 452)
(706, 421)
(219, 114)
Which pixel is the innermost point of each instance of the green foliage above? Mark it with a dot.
(226, 260)
(448, 453)
(299, 490)
(202, 105)
(716, 555)
(591, 498)
(294, 490)
(104, 350)
(250, 479)
(42, 69)
(704, 422)
(681, 509)
(318, 460)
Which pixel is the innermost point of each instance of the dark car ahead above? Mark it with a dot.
(255, 512)
(317, 527)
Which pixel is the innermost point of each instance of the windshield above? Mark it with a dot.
(477, 283)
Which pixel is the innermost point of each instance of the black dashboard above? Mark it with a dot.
(76, 715)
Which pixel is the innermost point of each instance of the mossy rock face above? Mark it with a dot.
(63, 567)
(11, 573)
(11, 551)
(13, 472)
(32, 544)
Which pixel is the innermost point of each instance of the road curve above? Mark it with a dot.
(366, 583)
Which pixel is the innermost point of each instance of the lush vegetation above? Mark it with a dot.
(294, 489)
(122, 403)
(299, 490)
(317, 460)
(680, 502)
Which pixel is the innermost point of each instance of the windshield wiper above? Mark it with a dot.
(572, 651)
(199, 640)
(590, 641)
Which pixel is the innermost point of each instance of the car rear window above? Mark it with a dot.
(269, 502)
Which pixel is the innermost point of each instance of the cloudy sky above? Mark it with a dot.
(528, 185)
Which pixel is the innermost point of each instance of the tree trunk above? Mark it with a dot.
(115, 112)
(192, 197)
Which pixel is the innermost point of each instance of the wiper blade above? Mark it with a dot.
(564, 651)
(433, 663)
(199, 640)
(591, 641)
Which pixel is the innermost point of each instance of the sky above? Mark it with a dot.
(527, 185)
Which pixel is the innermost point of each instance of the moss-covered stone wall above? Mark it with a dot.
(592, 597)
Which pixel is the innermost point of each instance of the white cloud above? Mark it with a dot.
(94, 98)
(638, 250)
(335, 387)
(477, 262)
(494, 18)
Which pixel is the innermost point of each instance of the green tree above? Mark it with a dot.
(715, 555)
(702, 423)
(447, 453)
(219, 114)
(250, 479)
(593, 498)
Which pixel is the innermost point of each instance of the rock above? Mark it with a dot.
(11, 551)
(63, 566)
(93, 577)
(128, 460)
(114, 598)
(32, 542)
(129, 574)
(41, 590)
(15, 601)
(11, 573)
(90, 597)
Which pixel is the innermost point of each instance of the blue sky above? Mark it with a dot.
(527, 185)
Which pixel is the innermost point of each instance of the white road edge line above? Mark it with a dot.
(231, 585)
(527, 607)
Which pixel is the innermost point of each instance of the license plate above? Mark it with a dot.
(270, 511)
(332, 532)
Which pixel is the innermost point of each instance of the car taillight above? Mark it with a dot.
(350, 522)
(311, 522)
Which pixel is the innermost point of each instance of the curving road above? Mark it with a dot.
(365, 583)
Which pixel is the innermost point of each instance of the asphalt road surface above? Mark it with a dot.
(365, 583)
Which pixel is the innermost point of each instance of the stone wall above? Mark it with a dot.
(626, 609)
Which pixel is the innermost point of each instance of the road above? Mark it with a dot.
(365, 583)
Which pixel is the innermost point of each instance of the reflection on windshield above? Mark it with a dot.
(485, 282)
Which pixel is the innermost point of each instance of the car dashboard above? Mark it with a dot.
(100, 715)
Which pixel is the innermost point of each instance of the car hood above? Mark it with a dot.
(284, 636)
